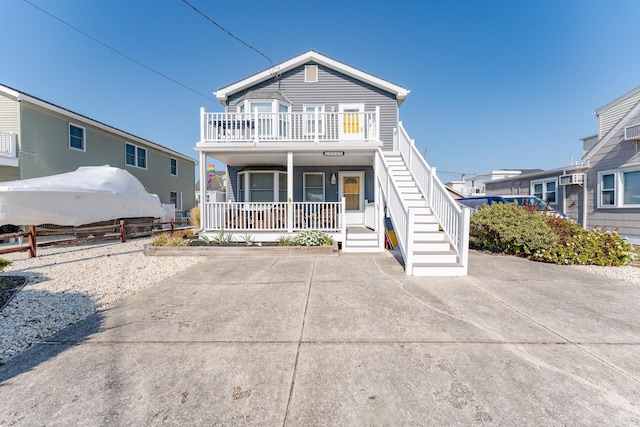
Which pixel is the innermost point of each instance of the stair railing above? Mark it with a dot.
(453, 219)
(402, 217)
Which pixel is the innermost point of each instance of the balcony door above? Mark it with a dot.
(351, 121)
(351, 187)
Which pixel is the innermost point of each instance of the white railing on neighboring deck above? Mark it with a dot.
(8, 144)
(274, 216)
(453, 218)
(274, 127)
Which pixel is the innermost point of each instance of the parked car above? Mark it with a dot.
(540, 205)
(478, 202)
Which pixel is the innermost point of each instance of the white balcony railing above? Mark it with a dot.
(289, 127)
(269, 216)
(8, 144)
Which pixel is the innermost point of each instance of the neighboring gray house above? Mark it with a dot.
(38, 139)
(313, 143)
(604, 190)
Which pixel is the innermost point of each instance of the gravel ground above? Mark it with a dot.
(69, 283)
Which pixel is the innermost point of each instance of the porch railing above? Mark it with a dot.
(269, 216)
(8, 144)
(453, 219)
(280, 127)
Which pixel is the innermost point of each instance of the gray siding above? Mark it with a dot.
(10, 122)
(616, 153)
(331, 89)
(612, 115)
(45, 143)
(331, 190)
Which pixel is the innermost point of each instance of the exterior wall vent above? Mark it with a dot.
(310, 73)
(571, 179)
(632, 132)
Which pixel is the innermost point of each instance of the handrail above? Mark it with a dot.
(452, 217)
(401, 215)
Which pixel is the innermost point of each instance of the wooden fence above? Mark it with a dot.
(115, 231)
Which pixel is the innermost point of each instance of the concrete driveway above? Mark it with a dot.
(341, 341)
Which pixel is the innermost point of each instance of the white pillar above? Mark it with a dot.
(203, 191)
(290, 192)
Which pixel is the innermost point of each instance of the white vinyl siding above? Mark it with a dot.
(612, 115)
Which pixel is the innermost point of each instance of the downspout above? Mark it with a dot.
(584, 202)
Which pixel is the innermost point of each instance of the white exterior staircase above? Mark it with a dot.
(431, 251)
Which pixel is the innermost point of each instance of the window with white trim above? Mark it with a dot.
(173, 166)
(77, 137)
(313, 119)
(262, 186)
(313, 186)
(175, 198)
(271, 116)
(546, 189)
(135, 155)
(619, 188)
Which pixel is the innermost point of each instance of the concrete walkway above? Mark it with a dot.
(342, 341)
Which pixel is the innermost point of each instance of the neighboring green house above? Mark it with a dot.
(38, 139)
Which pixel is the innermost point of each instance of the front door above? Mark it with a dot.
(351, 187)
(351, 124)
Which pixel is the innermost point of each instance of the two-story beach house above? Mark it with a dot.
(313, 143)
(38, 138)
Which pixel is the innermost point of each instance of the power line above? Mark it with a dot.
(225, 30)
(119, 52)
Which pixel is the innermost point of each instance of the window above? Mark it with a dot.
(313, 119)
(313, 187)
(135, 156)
(545, 190)
(310, 73)
(175, 198)
(173, 166)
(272, 118)
(76, 137)
(262, 186)
(619, 188)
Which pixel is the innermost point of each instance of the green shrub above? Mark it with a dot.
(595, 247)
(507, 228)
(312, 238)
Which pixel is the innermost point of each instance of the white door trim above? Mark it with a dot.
(352, 217)
(355, 125)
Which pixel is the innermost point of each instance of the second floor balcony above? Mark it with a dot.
(259, 127)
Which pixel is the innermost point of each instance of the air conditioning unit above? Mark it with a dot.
(571, 179)
(632, 132)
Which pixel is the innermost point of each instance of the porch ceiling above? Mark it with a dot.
(299, 159)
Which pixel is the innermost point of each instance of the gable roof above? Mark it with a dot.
(311, 56)
(607, 136)
(22, 96)
(622, 97)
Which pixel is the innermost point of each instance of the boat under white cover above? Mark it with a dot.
(89, 194)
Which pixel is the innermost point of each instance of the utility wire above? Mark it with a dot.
(225, 30)
(119, 52)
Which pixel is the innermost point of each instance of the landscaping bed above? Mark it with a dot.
(241, 250)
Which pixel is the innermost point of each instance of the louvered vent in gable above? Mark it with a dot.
(310, 73)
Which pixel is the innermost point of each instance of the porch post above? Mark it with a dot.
(204, 223)
(290, 192)
(380, 226)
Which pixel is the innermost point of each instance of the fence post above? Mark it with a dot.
(172, 222)
(32, 241)
(123, 231)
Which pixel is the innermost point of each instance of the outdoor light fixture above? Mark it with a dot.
(334, 153)
(333, 178)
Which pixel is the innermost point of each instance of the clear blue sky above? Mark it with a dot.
(494, 84)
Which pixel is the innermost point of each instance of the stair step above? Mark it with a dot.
(424, 248)
(437, 257)
(353, 237)
(361, 243)
(429, 236)
(439, 270)
(412, 196)
(416, 203)
(422, 227)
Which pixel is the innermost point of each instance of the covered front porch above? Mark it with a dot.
(271, 194)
